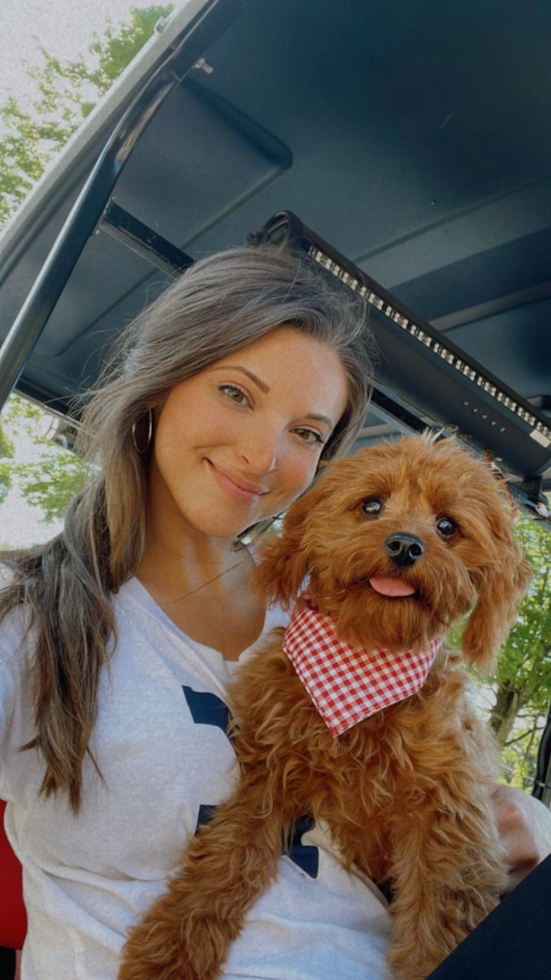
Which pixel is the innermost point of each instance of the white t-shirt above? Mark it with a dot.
(163, 753)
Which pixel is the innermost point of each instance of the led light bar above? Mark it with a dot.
(423, 368)
(541, 432)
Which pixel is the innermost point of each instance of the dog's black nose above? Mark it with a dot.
(404, 549)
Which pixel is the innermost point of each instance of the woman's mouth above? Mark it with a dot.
(235, 485)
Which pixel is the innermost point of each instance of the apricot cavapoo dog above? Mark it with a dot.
(359, 714)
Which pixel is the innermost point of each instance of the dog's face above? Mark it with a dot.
(399, 542)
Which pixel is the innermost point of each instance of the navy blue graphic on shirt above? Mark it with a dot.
(304, 855)
(208, 709)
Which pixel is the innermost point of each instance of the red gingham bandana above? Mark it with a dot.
(348, 684)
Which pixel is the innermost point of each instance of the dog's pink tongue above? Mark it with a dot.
(391, 586)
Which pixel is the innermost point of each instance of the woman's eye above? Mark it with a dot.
(372, 506)
(446, 527)
(310, 436)
(234, 393)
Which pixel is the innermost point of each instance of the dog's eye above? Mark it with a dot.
(372, 507)
(446, 527)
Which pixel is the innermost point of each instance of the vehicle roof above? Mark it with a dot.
(414, 138)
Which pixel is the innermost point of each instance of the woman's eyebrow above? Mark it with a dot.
(265, 388)
(238, 367)
(321, 418)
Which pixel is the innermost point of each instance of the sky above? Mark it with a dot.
(65, 28)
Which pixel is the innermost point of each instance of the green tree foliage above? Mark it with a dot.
(6, 452)
(54, 474)
(516, 697)
(52, 482)
(522, 682)
(66, 92)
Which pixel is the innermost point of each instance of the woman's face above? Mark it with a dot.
(239, 441)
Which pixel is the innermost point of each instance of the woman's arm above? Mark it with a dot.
(524, 825)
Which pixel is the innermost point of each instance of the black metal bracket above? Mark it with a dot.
(134, 234)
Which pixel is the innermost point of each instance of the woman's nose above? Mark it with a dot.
(260, 452)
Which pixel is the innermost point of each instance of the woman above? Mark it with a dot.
(119, 637)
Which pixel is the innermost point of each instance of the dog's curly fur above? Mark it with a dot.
(405, 792)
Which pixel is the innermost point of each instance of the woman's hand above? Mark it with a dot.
(524, 825)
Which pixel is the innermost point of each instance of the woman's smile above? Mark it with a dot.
(235, 485)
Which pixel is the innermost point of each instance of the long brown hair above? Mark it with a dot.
(221, 304)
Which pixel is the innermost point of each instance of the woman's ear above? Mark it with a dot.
(501, 588)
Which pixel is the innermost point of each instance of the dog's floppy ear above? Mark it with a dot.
(501, 586)
(284, 559)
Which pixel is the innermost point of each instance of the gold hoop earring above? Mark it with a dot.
(141, 450)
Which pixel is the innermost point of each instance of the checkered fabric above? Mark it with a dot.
(348, 684)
